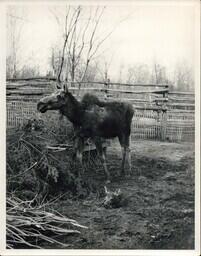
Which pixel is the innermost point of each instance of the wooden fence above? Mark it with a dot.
(181, 116)
(160, 114)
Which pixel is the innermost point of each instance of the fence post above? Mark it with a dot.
(107, 82)
(163, 124)
(164, 117)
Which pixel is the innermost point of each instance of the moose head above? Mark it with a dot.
(55, 101)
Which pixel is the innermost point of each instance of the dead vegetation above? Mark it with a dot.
(29, 225)
(36, 178)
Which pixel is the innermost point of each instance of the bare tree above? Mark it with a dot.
(82, 40)
(54, 61)
(159, 75)
(138, 73)
(15, 23)
(121, 71)
(183, 77)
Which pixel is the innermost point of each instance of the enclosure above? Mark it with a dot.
(155, 206)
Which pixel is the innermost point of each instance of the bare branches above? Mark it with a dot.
(52, 11)
(17, 17)
(91, 42)
(79, 39)
(15, 24)
(81, 42)
(106, 37)
(21, 215)
(68, 31)
(21, 173)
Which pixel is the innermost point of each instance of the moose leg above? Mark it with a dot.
(125, 148)
(102, 154)
(79, 147)
(123, 151)
(76, 141)
(128, 159)
(128, 155)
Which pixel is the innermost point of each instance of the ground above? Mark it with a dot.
(158, 208)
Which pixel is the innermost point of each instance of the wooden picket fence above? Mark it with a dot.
(159, 115)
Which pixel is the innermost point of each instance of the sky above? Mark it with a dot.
(162, 33)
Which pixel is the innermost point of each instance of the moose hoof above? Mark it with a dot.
(108, 181)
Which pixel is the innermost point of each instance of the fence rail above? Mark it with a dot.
(159, 114)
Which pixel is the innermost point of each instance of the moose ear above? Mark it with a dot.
(58, 85)
(65, 87)
(61, 95)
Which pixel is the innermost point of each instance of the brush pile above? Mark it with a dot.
(36, 178)
(32, 168)
(31, 226)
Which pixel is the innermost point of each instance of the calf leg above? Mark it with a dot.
(102, 155)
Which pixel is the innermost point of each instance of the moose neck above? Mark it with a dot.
(72, 109)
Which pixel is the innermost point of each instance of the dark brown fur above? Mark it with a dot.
(94, 119)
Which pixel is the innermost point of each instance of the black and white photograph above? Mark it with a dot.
(101, 126)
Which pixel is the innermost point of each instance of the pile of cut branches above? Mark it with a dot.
(33, 167)
(30, 225)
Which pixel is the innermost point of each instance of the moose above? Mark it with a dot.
(94, 119)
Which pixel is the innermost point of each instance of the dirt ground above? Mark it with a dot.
(158, 209)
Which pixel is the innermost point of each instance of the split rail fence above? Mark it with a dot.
(159, 115)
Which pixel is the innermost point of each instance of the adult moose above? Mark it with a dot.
(94, 119)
